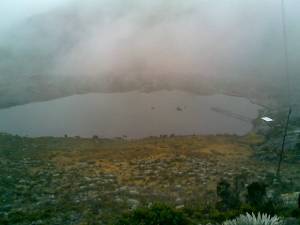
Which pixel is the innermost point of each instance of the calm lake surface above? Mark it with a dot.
(132, 114)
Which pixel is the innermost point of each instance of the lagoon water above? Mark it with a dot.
(132, 114)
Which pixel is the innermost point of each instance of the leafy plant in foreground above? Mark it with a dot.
(251, 219)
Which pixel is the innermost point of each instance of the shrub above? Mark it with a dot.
(256, 194)
(155, 215)
(261, 219)
(229, 200)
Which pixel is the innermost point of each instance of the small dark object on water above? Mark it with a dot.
(152, 107)
(179, 109)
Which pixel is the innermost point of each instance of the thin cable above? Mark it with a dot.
(286, 52)
(287, 73)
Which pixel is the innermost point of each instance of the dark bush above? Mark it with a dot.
(158, 214)
(228, 199)
(256, 194)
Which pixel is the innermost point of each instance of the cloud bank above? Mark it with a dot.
(161, 39)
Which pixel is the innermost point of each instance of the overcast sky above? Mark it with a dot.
(100, 37)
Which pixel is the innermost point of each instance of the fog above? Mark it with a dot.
(15, 11)
(138, 41)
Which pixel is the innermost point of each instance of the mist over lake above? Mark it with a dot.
(131, 114)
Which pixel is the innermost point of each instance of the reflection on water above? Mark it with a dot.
(130, 114)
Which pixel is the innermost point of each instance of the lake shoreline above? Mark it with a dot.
(112, 115)
(179, 99)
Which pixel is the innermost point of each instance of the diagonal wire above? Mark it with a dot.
(287, 73)
(286, 51)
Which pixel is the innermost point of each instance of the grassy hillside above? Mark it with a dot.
(76, 180)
